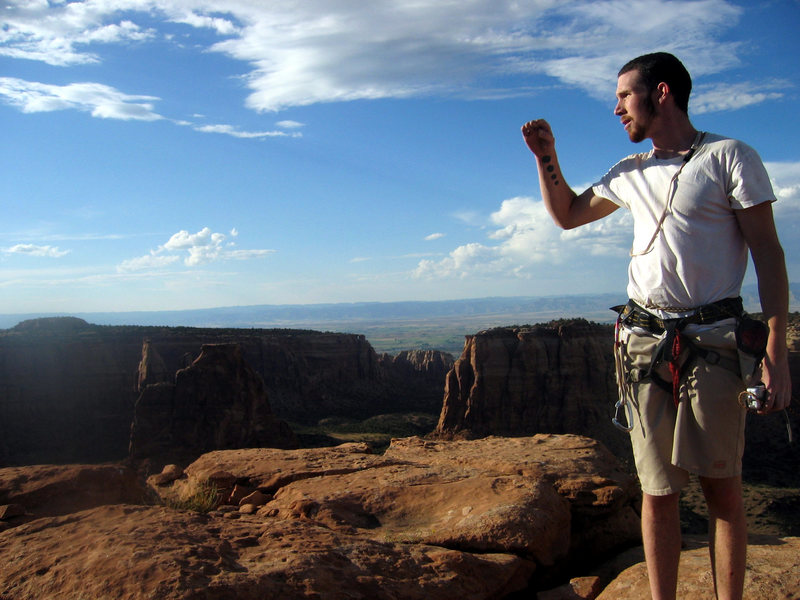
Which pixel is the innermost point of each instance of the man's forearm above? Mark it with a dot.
(773, 291)
(567, 209)
(556, 194)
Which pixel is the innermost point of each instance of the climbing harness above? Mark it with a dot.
(675, 349)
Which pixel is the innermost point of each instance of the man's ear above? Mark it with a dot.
(662, 92)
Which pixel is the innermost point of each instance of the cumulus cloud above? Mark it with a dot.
(100, 100)
(523, 236)
(197, 249)
(434, 236)
(520, 236)
(785, 177)
(316, 51)
(34, 250)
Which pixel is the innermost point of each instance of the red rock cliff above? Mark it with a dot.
(559, 378)
(522, 380)
(68, 388)
(217, 403)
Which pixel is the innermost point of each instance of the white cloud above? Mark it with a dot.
(199, 248)
(316, 51)
(235, 132)
(785, 177)
(333, 51)
(190, 17)
(434, 236)
(469, 260)
(524, 237)
(288, 124)
(95, 98)
(105, 102)
(183, 240)
(34, 250)
(521, 237)
(55, 33)
(732, 96)
(147, 262)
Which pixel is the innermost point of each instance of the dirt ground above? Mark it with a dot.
(770, 510)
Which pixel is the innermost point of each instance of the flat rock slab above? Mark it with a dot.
(427, 519)
(139, 552)
(50, 490)
(773, 571)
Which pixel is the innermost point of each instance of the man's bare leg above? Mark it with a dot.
(727, 532)
(661, 534)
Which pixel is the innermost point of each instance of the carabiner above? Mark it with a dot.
(617, 423)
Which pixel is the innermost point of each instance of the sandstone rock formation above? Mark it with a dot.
(559, 378)
(492, 518)
(473, 519)
(68, 388)
(556, 378)
(52, 490)
(419, 375)
(66, 393)
(762, 578)
(218, 402)
(152, 369)
(772, 572)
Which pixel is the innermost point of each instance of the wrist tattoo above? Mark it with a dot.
(550, 169)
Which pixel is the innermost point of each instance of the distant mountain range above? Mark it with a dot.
(337, 316)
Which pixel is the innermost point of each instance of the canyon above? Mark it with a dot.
(68, 389)
(524, 488)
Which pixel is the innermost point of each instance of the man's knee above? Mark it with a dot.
(660, 506)
(723, 495)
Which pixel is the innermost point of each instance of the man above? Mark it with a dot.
(699, 202)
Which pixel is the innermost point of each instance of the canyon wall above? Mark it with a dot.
(554, 378)
(559, 378)
(217, 403)
(68, 388)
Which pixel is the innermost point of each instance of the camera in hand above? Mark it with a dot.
(754, 398)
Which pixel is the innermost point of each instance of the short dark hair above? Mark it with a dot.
(663, 66)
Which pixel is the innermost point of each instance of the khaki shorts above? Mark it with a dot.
(704, 435)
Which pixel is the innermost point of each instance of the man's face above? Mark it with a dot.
(635, 106)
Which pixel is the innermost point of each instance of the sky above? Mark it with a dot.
(184, 154)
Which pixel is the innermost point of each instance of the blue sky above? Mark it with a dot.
(180, 154)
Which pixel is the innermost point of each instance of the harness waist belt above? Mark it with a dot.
(634, 315)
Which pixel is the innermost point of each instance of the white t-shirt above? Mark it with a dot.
(700, 255)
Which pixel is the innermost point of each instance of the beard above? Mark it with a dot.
(637, 132)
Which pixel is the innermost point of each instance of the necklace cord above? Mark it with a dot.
(672, 190)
